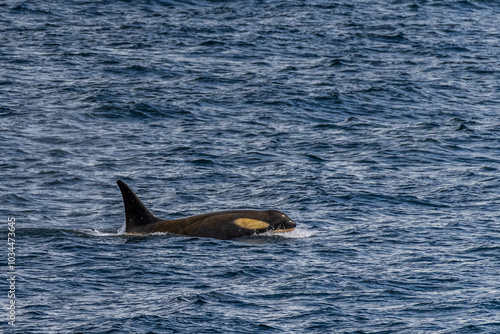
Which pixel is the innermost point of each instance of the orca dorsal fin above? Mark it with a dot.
(137, 215)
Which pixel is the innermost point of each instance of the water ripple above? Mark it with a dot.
(373, 125)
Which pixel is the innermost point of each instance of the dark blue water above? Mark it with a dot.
(373, 124)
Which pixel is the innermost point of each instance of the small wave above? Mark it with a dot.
(295, 234)
(96, 233)
(160, 233)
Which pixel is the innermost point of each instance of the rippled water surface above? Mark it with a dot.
(373, 124)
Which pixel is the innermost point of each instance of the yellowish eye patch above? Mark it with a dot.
(251, 224)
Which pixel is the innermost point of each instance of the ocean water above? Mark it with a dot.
(373, 124)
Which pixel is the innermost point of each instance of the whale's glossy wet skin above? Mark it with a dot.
(218, 225)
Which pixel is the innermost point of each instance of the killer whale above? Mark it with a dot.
(219, 225)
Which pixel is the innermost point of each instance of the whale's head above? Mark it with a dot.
(263, 221)
(279, 222)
